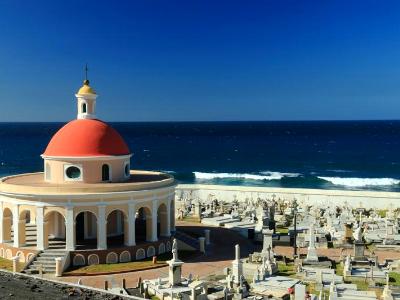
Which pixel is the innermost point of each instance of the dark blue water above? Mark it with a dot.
(350, 155)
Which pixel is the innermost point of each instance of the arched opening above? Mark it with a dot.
(7, 225)
(116, 228)
(162, 226)
(84, 109)
(86, 230)
(105, 172)
(55, 230)
(27, 230)
(143, 225)
(127, 170)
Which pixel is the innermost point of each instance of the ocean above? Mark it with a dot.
(353, 155)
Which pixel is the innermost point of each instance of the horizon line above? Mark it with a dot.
(220, 121)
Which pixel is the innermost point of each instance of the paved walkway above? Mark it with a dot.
(335, 253)
(219, 256)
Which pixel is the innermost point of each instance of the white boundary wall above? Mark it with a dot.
(367, 199)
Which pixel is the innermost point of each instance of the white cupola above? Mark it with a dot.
(86, 97)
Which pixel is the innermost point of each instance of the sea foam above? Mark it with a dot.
(360, 182)
(267, 175)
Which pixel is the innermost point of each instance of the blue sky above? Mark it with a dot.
(201, 60)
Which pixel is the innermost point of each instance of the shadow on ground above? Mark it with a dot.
(223, 242)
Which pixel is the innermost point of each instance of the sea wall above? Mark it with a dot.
(367, 199)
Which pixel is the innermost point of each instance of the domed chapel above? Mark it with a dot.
(88, 205)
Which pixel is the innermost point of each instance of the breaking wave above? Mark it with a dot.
(360, 182)
(267, 175)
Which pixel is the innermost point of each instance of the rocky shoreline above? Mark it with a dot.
(20, 286)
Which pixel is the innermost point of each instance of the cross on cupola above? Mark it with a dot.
(86, 97)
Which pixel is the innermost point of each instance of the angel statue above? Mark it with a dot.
(357, 235)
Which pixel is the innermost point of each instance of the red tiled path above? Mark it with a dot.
(219, 256)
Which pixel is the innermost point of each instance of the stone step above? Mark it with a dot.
(56, 242)
(51, 256)
(47, 264)
(46, 258)
(44, 264)
(31, 235)
(45, 270)
(53, 252)
(27, 232)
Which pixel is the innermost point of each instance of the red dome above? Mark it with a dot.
(86, 138)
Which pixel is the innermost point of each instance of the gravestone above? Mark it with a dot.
(237, 266)
(299, 292)
(312, 251)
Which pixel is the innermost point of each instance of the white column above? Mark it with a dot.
(1, 223)
(101, 228)
(16, 226)
(70, 229)
(172, 211)
(154, 220)
(168, 222)
(40, 243)
(131, 224)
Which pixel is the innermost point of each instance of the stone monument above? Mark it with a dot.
(312, 251)
(237, 266)
(267, 243)
(359, 246)
(387, 293)
(175, 266)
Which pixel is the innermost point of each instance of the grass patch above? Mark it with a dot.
(362, 285)
(282, 230)
(339, 269)
(382, 213)
(127, 267)
(286, 270)
(371, 247)
(310, 288)
(192, 219)
(7, 264)
(394, 278)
